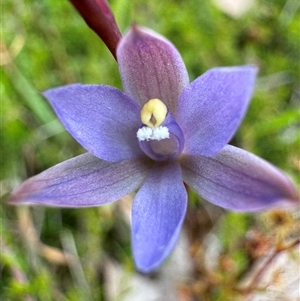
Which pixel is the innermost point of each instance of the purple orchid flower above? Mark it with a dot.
(161, 132)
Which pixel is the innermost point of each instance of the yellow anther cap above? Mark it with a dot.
(154, 112)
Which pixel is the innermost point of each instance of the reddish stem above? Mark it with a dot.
(260, 273)
(99, 17)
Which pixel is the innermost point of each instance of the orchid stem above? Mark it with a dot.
(99, 17)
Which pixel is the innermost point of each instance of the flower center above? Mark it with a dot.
(148, 133)
(160, 137)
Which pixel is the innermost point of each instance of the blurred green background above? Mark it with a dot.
(46, 44)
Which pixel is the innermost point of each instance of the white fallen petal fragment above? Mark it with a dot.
(128, 286)
(234, 8)
(213, 251)
(280, 281)
(157, 133)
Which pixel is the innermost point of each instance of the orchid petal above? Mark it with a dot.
(238, 180)
(157, 214)
(102, 119)
(151, 67)
(211, 108)
(82, 182)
